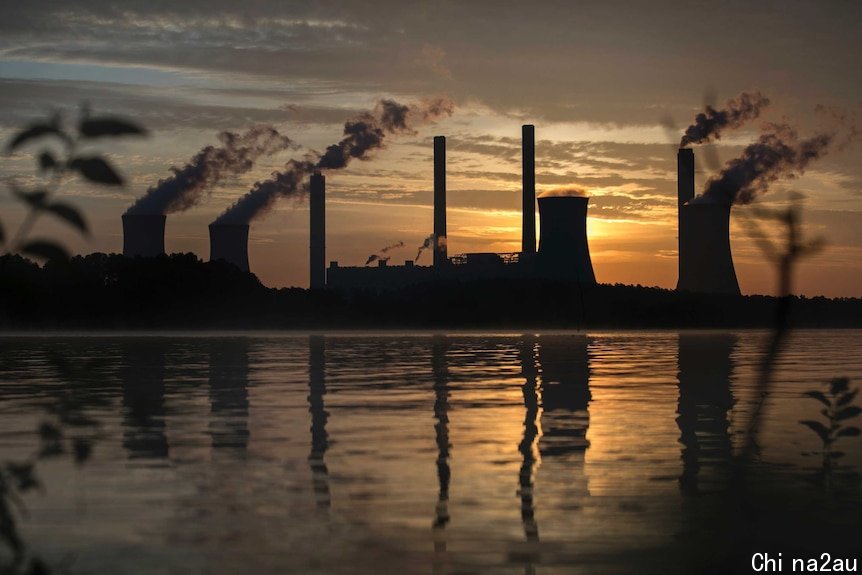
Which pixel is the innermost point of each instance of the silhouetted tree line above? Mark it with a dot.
(181, 291)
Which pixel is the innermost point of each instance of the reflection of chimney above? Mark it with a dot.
(528, 175)
(143, 381)
(684, 193)
(440, 372)
(229, 242)
(317, 193)
(319, 417)
(143, 235)
(440, 251)
(563, 249)
(706, 264)
(228, 380)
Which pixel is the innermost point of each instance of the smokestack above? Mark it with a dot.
(528, 174)
(706, 264)
(143, 235)
(317, 193)
(229, 242)
(563, 249)
(684, 193)
(440, 251)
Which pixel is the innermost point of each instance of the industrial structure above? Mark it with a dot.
(563, 249)
(705, 261)
(229, 242)
(317, 231)
(143, 235)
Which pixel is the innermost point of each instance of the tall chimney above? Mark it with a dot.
(706, 264)
(317, 193)
(684, 193)
(229, 242)
(528, 174)
(440, 251)
(563, 249)
(143, 235)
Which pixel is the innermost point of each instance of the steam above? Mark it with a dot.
(778, 153)
(381, 254)
(362, 135)
(427, 244)
(709, 124)
(236, 155)
(564, 191)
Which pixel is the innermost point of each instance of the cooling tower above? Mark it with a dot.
(229, 242)
(705, 265)
(528, 175)
(143, 235)
(440, 248)
(317, 227)
(563, 249)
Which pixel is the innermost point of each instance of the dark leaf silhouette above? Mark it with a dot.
(847, 398)
(47, 161)
(97, 170)
(49, 432)
(2, 234)
(817, 428)
(836, 454)
(70, 214)
(45, 250)
(36, 131)
(848, 412)
(24, 476)
(35, 199)
(839, 385)
(98, 127)
(819, 396)
(848, 432)
(82, 448)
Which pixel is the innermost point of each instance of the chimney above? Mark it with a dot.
(229, 242)
(440, 251)
(143, 235)
(706, 265)
(528, 174)
(563, 249)
(684, 193)
(317, 193)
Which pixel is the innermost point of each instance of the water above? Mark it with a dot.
(352, 453)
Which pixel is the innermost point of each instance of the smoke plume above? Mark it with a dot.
(576, 191)
(427, 244)
(236, 155)
(709, 124)
(778, 153)
(362, 135)
(381, 254)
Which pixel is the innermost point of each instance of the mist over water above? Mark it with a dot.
(401, 453)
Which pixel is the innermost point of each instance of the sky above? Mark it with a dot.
(610, 86)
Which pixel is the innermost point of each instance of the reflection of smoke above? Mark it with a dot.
(427, 243)
(709, 124)
(319, 417)
(236, 155)
(779, 152)
(361, 135)
(380, 255)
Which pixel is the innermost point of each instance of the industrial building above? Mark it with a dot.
(563, 249)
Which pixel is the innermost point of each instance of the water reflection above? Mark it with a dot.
(705, 399)
(142, 375)
(319, 417)
(527, 447)
(228, 395)
(565, 375)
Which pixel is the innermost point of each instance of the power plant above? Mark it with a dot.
(705, 261)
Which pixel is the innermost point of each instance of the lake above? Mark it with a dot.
(409, 453)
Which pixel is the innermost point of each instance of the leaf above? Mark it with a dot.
(24, 476)
(848, 432)
(819, 396)
(70, 214)
(45, 250)
(47, 161)
(49, 432)
(838, 385)
(817, 428)
(98, 127)
(35, 131)
(82, 448)
(97, 170)
(848, 412)
(847, 397)
(35, 199)
(836, 454)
